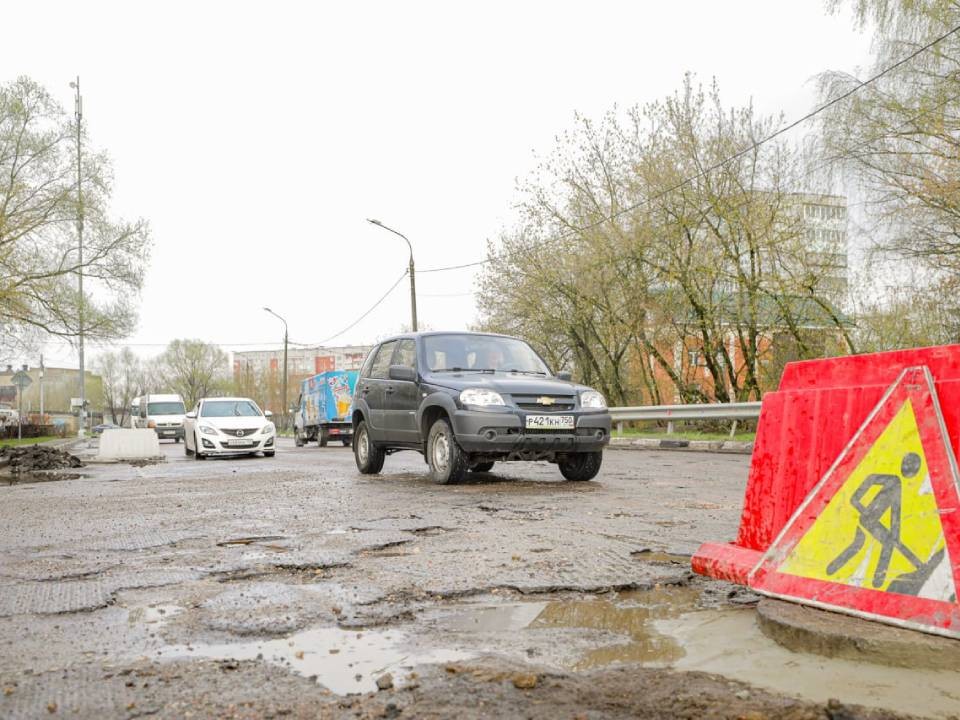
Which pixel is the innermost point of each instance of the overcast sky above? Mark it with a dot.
(257, 137)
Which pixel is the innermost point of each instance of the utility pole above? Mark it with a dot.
(286, 339)
(78, 109)
(41, 389)
(411, 270)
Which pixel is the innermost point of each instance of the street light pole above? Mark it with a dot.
(413, 282)
(285, 341)
(78, 109)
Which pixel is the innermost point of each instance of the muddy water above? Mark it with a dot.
(665, 628)
(344, 661)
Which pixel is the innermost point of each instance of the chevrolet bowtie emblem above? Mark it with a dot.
(545, 400)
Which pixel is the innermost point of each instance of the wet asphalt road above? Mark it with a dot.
(289, 586)
(123, 563)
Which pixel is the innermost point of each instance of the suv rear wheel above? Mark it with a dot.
(581, 466)
(369, 456)
(448, 463)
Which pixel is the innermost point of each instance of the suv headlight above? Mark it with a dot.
(268, 428)
(479, 396)
(592, 399)
(207, 430)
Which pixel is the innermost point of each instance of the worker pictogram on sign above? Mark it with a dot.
(879, 536)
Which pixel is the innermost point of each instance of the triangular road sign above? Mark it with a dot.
(879, 536)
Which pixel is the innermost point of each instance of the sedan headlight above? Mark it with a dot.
(268, 429)
(479, 396)
(592, 399)
(207, 430)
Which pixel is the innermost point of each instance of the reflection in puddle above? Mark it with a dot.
(664, 628)
(155, 614)
(37, 477)
(629, 614)
(343, 661)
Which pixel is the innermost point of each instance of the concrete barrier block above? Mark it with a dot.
(121, 444)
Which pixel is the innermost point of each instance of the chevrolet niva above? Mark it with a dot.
(468, 400)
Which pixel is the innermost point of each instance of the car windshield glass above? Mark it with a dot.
(165, 408)
(229, 408)
(481, 353)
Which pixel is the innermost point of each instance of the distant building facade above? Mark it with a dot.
(301, 361)
(57, 387)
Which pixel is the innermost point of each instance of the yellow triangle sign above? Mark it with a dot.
(882, 529)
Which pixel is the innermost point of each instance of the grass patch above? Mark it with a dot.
(691, 435)
(28, 441)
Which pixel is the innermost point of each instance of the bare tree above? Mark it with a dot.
(121, 374)
(658, 231)
(39, 262)
(192, 368)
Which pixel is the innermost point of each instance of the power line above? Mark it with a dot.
(722, 163)
(362, 317)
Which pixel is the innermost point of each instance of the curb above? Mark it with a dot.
(805, 629)
(717, 446)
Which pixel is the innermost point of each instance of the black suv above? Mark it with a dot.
(468, 400)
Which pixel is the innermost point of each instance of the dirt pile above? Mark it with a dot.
(31, 458)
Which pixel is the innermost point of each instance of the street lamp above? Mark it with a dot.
(285, 339)
(78, 110)
(413, 284)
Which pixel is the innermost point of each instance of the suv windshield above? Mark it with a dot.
(165, 408)
(481, 353)
(230, 408)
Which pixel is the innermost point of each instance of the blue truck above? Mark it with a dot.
(325, 408)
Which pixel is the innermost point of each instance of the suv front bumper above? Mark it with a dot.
(481, 431)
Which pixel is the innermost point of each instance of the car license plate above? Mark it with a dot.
(550, 422)
(238, 442)
(169, 432)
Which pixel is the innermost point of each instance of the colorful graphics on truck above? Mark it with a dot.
(328, 397)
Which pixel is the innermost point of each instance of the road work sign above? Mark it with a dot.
(879, 536)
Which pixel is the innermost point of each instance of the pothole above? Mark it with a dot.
(28, 478)
(659, 556)
(668, 627)
(346, 662)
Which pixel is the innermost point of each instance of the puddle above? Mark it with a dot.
(344, 661)
(37, 477)
(729, 643)
(629, 614)
(155, 614)
(665, 628)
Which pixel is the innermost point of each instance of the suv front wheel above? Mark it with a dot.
(581, 466)
(369, 456)
(448, 463)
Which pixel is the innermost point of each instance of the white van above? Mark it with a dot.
(163, 413)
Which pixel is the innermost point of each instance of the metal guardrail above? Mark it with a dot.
(710, 411)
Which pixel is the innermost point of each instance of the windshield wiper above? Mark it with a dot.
(526, 372)
(471, 370)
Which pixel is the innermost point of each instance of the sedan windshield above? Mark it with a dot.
(481, 353)
(230, 408)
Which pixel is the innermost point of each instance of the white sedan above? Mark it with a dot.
(228, 426)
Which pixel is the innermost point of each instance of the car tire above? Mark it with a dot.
(196, 452)
(322, 438)
(448, 463)
(269, 453)
(368, 455)
(346, 442)
(298, 439)
(186, 448)
(482, 467)
(176, 440)
(581, 466)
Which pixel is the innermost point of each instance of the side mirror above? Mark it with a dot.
(564, 375)
(192, 415)
(268, 413)
(402, 372)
